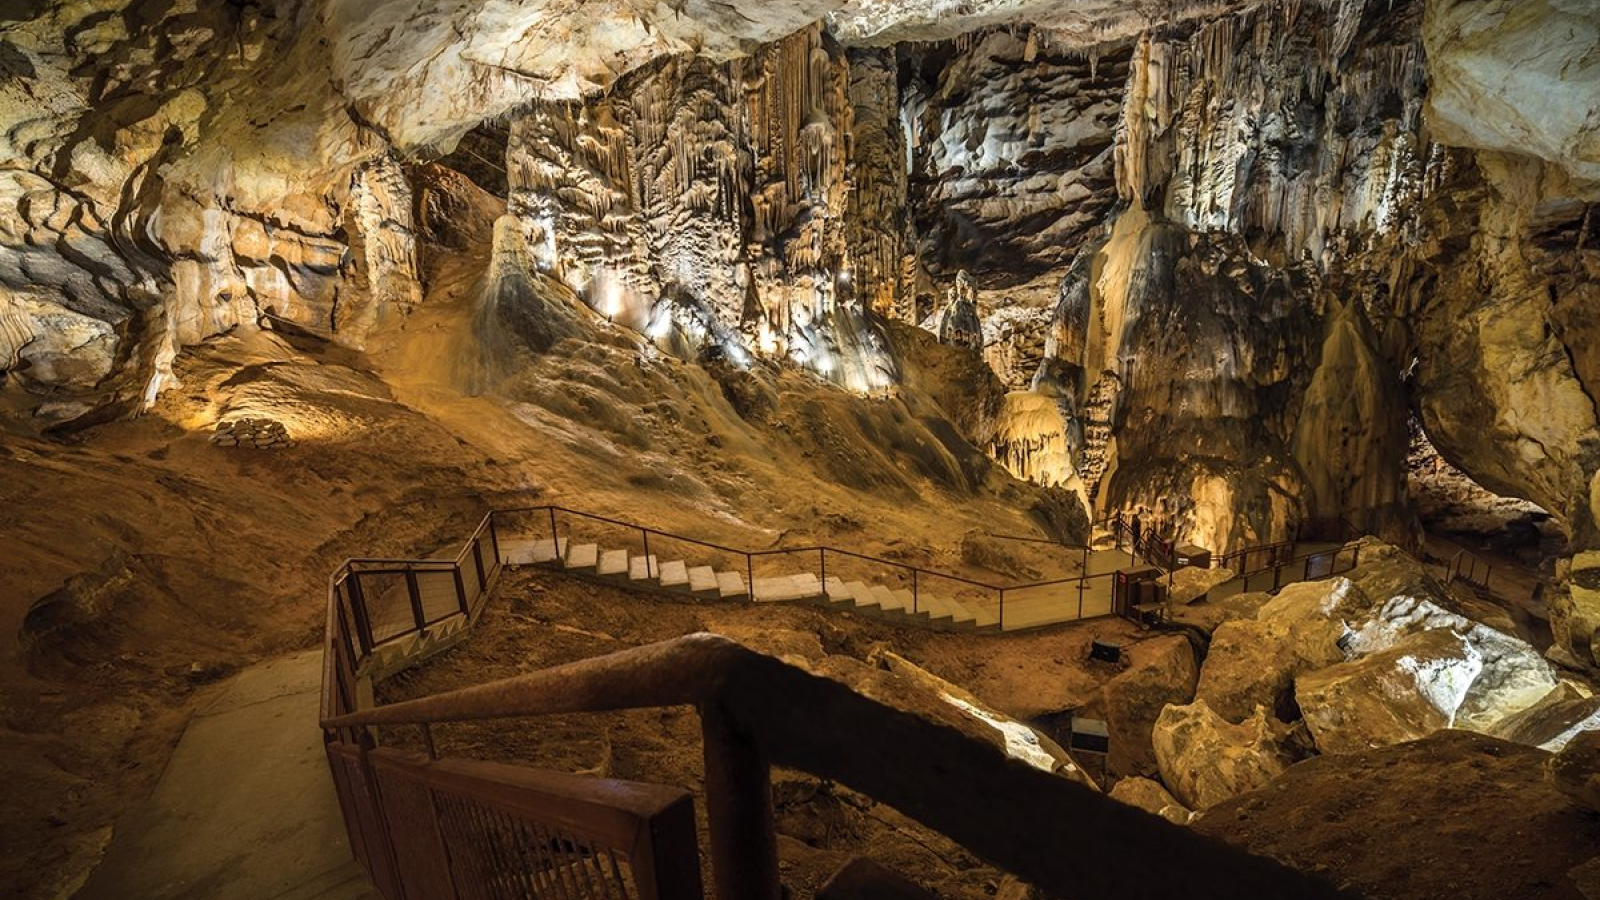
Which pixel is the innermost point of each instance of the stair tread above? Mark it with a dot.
(730, 584)
(613, 562)
(582, 556)
(530, 551)
(641, 569)
(702, 579)
(674, 572)
(891, 599)
(779, 588)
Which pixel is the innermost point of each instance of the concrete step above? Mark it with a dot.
(731, 584)
(702, 580)
(639, 569)
(940, 609)
(612, 563)
(674, 574)
(785, 588)
(834, 591)
(855, 593)
(582, 556)
(889, 600)
(530, 551)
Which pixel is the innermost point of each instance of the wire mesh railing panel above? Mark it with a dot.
(387, 601)
(421, 862)
(436, 591)
(502, 856)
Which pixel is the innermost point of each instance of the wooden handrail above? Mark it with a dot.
(1055, 833)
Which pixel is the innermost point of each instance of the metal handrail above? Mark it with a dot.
(751, 555)
(1051, 831)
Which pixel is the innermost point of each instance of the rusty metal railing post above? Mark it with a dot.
(750, 577)
(645, 533)
(414, 594)
(494, 539)
(555, 540)
(822, 559)
(1002, 622)
(477, 563)
(461, 591)
(358, 611)
(744, 846)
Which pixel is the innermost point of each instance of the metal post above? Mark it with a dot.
(358, 610)
(1002, 609)
(416, 599)
(822, 558)
(1081, 584)
(477, 562)
(744, 847)
(461, 591)
(750, 577)
(555, 539)
(646, 535)
(494, 539)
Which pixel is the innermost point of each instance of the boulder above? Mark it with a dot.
(1549, 724)
(1208, 615)
(1191, 584)
(1151, 797)
(1575, 771)
(1456, 814)
(1587, 877)
(1205, 759)
(1162, 671)
(1513, 677)
(1403, 693)
(892, 679)
(1254, 662)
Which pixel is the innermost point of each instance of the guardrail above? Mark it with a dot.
(425, 828)
(558, 522)
(1465, 566)
(757, 711)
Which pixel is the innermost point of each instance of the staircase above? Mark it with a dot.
(681, 577)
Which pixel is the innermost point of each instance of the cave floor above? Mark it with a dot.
(245, 808)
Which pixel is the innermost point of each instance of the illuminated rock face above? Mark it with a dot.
(706, 204)
(1205, 759)
(1235, 246)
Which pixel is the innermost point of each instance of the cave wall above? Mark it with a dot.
(174, 174)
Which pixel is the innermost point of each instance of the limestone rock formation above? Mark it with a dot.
(1451, 815)
(1253, 663)
(1575, 771)
(1161, 672)
(1399, 694)
(1204, 759)
(1555, 719)
(1151, 797)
